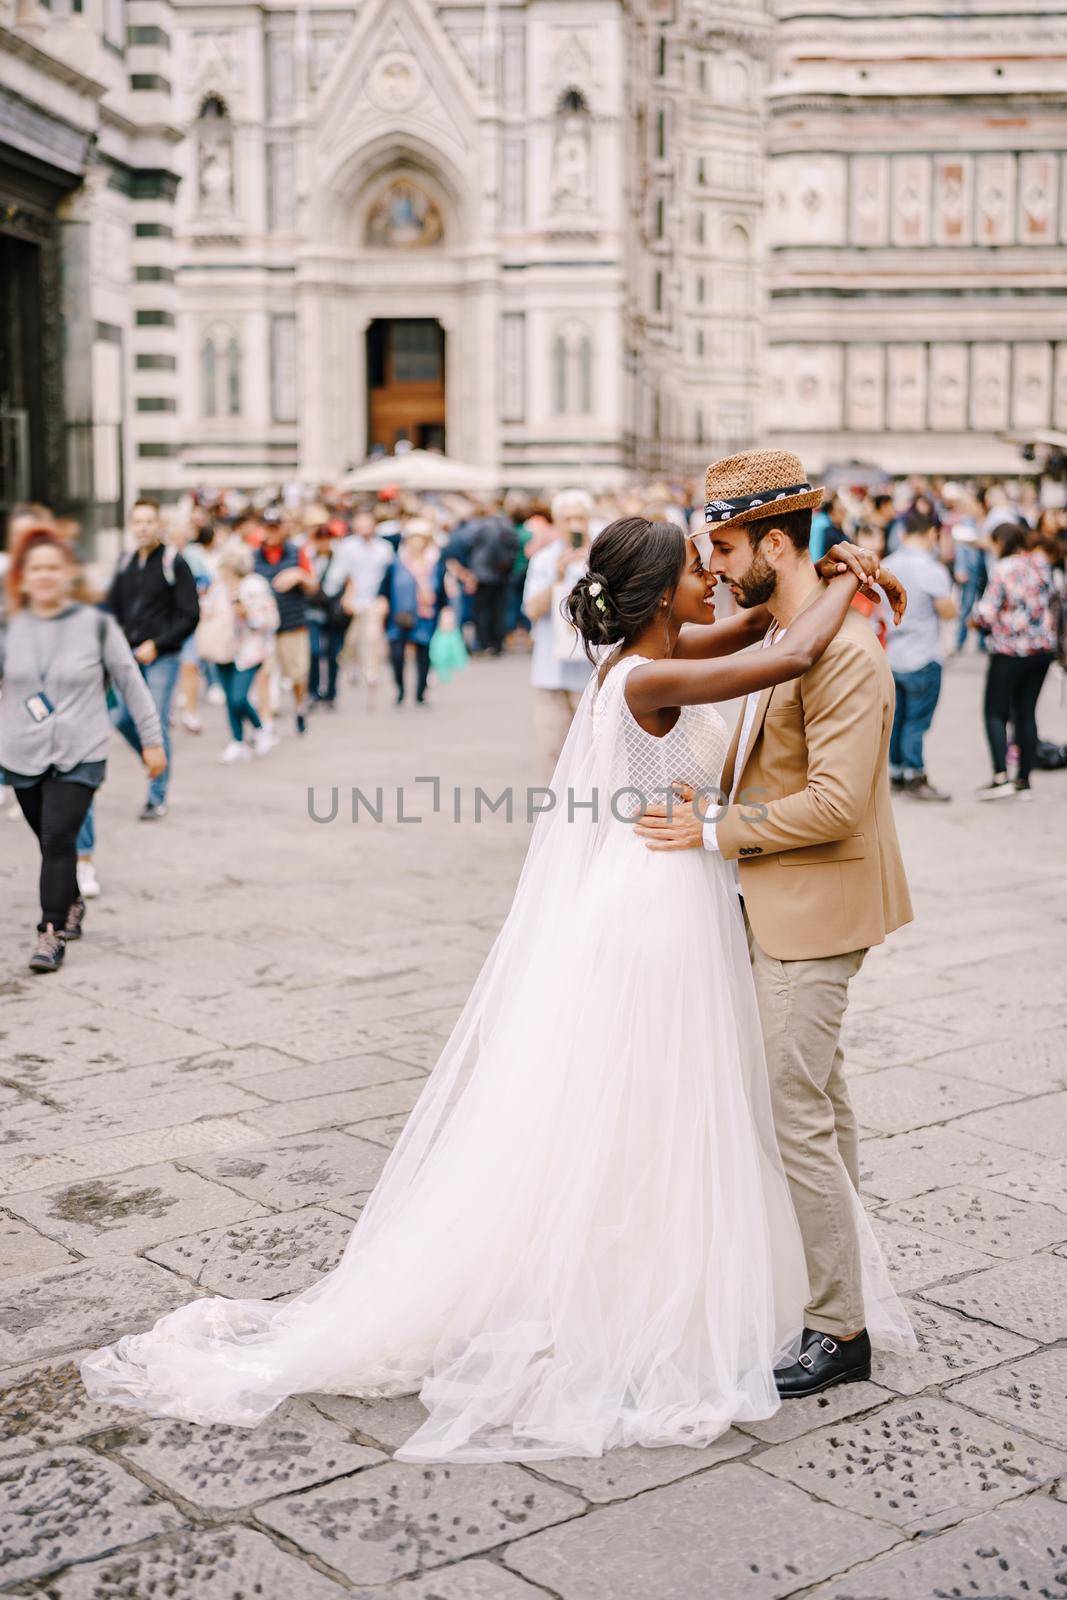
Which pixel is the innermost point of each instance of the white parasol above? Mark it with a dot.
(419, 470)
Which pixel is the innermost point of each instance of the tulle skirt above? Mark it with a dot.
(584, 1238)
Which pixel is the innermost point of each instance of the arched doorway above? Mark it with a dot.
(405, 383)
(395, 323)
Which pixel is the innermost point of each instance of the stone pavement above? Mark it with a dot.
(201, 1100)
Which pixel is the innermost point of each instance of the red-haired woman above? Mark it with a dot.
(54, 726)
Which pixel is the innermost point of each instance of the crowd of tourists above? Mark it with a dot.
(275, 605)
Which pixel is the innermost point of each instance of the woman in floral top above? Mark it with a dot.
(1018, 616)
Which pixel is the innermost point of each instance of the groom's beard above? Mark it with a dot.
(757, 584)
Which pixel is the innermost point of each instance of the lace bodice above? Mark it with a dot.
(693, 752)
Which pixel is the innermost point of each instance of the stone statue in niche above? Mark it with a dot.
(572, 188)
(404, 217)
(214, 159)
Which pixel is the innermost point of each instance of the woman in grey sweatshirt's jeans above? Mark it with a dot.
(55, 657)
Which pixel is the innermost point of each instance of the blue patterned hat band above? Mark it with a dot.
(725, 510)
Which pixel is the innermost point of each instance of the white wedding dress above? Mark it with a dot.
(584, 1237)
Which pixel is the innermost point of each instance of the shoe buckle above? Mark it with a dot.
(828, 1344)
(806, 1361)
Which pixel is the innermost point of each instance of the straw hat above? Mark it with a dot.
(756, 484)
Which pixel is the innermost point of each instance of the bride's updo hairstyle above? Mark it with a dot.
(633, 563)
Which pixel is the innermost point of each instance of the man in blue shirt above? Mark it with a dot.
(915, 653)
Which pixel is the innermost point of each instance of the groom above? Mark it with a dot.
(807, 818)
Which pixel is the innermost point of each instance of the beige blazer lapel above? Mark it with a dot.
(726, 782)
(757, 727)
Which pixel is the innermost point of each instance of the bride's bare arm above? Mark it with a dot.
(725, 638)
(674, 682)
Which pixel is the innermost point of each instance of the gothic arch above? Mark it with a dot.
(358, 179)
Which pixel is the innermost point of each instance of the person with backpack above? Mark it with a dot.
(327, 618)
(494, 546)
(236, 633)
(287, 568)
(55, 662)
(154, 601)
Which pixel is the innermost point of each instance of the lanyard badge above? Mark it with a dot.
(40, 707)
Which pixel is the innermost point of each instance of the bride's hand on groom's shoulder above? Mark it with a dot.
(681, 829)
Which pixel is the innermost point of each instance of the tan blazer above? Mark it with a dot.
(812, 827)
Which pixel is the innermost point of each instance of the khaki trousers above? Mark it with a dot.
(802, 1006)
(553, 714)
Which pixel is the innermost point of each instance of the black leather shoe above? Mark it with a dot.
(824, 1361)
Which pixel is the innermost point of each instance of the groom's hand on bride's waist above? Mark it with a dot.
(679, 826)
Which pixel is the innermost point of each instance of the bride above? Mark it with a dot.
(583, 1238)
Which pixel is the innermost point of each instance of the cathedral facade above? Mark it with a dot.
(560, 239)
(526, 231)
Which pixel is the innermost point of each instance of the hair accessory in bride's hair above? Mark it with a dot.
(597, 592)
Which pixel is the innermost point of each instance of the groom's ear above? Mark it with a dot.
(775, 544)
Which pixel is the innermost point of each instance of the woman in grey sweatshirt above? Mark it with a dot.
(55, 659)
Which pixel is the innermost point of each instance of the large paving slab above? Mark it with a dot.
(225, 1469)
(899, 1099)
(1023, 1062)
(982, 1220)
(68, 1504)
(470, 1580)
(1030, 1393)
(734, 1527)
(259, 1260)
(297, 1170)
(1017, 1552)
(916, 1259)
(396, 1520)
(949, 1346)
(211, 1564)
(353, 1106)
(45, 1403)
(74, 1308)
(796, 1417)
(104, 1157)
(1028, 1296)
(303, 1080)
(920, 1464)
(52, 1132)
(906, 1164)
(1038, 1125)
(108, 1216)
(23, 1249)
(1043, 1182)
(386, 1423)
(621, 1474)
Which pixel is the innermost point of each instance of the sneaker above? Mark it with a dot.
(215, 695)
(88, 882)
(49, 951)
(999, 789)
(301, 722)
(920, 788)
(235, 751)
(151, 813)
(75, 918)
(1022, 789)
(263, 741)
(191, 723)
